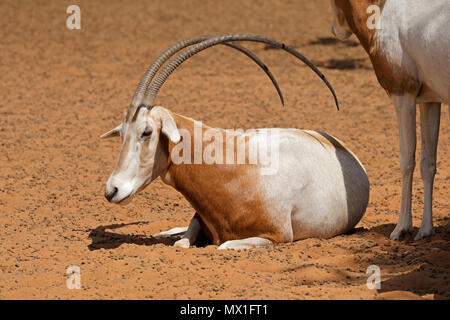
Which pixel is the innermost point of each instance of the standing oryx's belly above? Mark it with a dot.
(427, 41)
(413, 41)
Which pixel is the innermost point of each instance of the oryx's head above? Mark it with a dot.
(339, 26)
(147, 130)
(144, 155)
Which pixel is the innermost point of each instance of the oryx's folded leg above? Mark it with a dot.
(405, 107)
(430, 114)
(171, 233)
(247, 243)
(191, 234)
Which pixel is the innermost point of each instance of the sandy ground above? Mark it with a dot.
(60, 89)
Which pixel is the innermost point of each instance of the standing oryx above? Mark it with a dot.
(409, 49)
(319, 187)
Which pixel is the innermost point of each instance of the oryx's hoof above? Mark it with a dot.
(400, 232)
(424, 232)
(182, 243)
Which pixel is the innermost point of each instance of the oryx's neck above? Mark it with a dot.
(357, 17)
(394, 72)
(183, 175)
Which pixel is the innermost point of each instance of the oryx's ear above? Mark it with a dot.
(168, 125)
(169, 128)
(112, 133)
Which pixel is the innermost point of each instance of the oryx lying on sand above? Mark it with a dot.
(409, 49)
(319, 187)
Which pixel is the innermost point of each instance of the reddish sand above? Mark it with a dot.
(61, 89)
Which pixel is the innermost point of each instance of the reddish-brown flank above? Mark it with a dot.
(231, 215)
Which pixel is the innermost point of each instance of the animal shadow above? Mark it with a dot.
(103, 238)
(324, 41)
(343, 64)
(421, 267)
(330, 41)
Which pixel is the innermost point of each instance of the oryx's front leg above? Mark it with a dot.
(191, 234)
(430, 114)
(247, 243)
(405, 107)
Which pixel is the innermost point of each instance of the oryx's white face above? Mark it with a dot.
(144, 154)
(339, 26)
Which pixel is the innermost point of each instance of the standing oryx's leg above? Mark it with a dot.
(405, 107)
(247, 243)
(191, 234)
(430, 114)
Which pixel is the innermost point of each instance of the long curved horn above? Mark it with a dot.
(151, 71)
(162, 76)
(261, 64)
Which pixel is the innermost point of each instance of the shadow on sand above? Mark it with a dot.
(102, 238)
(421, 267)
(330, 41)
(343, 64)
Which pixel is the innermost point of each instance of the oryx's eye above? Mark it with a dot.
(147, 133)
